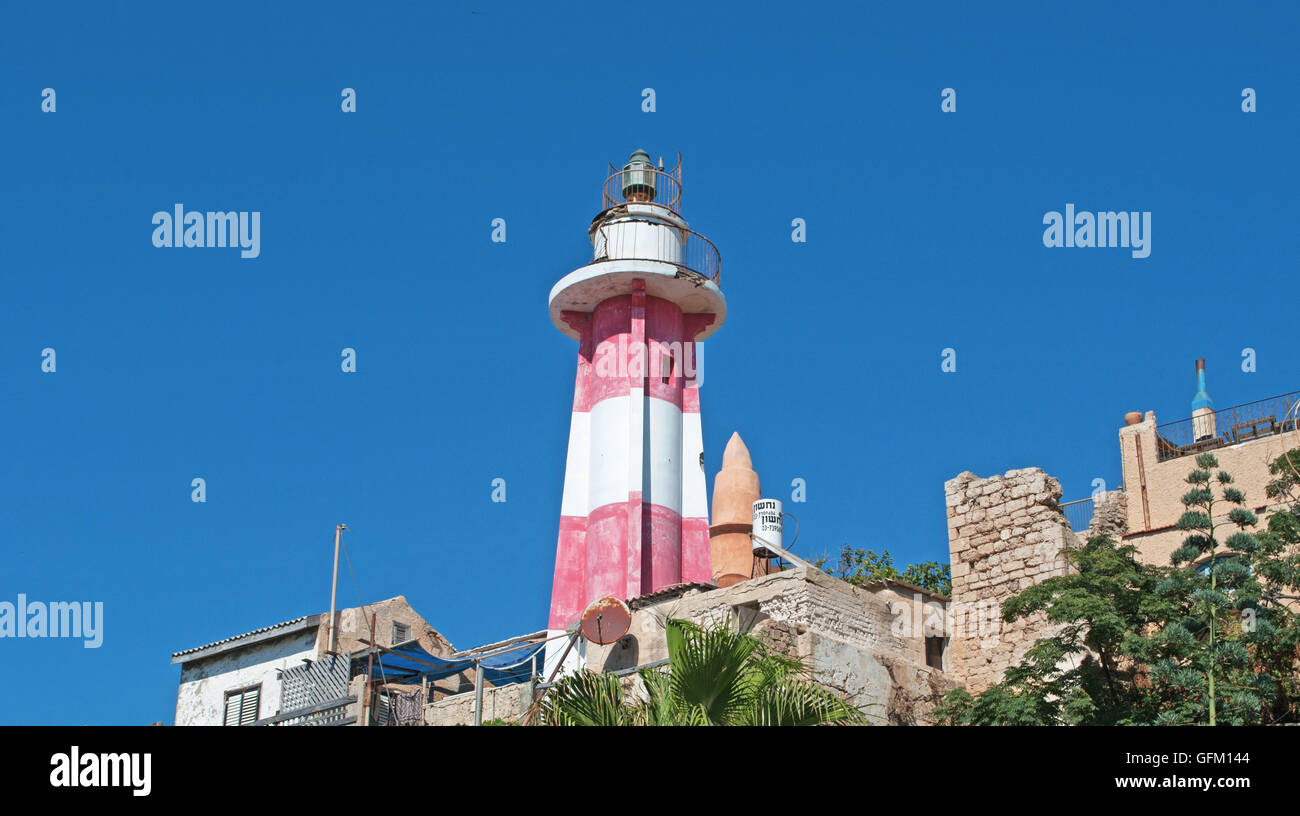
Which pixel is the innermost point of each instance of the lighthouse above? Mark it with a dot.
(634, 513)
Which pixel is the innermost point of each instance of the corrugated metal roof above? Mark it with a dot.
(892, 582)
(670, 591)
(264, 629)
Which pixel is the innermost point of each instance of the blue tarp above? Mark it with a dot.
(410, 660)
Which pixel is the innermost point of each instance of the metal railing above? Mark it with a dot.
(643, 186)
(1229, 426)
(331, 712)
(690, 252)
(1078, 514)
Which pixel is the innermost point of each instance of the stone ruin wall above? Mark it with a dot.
(1005, 533)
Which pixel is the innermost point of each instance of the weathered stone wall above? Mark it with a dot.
(850, 637)
(808, 600)
(1005, 533)
(1109, 515)
(354, 627)
(508, 703)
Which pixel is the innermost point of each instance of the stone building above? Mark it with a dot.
(1008, 532)
(1156, 459)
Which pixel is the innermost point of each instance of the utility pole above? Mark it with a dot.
(368, 707)
(478, 691)
(334, 588)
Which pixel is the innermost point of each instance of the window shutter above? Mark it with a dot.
(232, 709)
(242, 706)
(401, 633)
(248, 709)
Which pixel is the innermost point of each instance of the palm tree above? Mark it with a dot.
(716, 675)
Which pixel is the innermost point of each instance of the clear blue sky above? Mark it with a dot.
(924, 232)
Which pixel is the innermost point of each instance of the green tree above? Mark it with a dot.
(716, 675)
(1215, 595)
(861, 567)
(1106, 599)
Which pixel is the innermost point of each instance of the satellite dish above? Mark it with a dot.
(605, 621)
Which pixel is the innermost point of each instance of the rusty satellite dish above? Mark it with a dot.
(605, 621)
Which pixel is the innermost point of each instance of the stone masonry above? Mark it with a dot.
(852, 638)
(1109, 515)
(1005, 533)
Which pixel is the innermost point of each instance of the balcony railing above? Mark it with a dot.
(630, 187)
(331, 712)
(1230, 426)
(630, 240)
(1078, 513)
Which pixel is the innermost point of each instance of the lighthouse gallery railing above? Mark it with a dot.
(690, 252)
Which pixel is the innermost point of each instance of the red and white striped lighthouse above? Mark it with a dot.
(634, 516)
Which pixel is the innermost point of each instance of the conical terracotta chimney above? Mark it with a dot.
(735, 489)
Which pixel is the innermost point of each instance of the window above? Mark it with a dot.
(1204, 569)
(748, 615)
(934, 649)
(401, 633)
(242, 705)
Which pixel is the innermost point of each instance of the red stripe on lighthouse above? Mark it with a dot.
(581, 322)
(606, 570)
(568, 589)
(610, 338)
(697, 561)
(662, 529)
(690, 400)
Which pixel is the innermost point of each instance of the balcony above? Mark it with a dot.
(1229, 426)
(632, 239)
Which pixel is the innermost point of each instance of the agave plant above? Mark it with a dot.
(716, 675)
